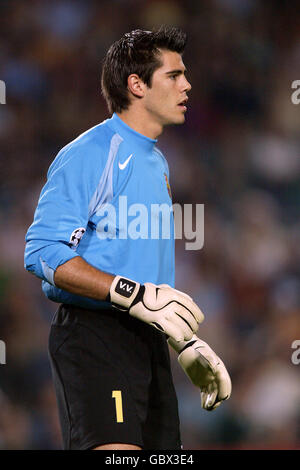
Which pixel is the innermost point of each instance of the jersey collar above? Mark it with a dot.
(127, 133)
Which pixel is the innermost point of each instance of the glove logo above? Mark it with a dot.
(125, 287)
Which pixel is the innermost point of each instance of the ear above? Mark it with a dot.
(136, 86)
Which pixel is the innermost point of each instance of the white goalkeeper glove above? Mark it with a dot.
(205, 369)
(167, 309)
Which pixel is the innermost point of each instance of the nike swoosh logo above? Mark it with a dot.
(123, 165)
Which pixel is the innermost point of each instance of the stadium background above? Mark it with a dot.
(238, 154)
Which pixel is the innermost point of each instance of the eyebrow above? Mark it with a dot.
(177, 72)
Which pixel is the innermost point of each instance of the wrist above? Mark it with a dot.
(179, 346)
(124, 292)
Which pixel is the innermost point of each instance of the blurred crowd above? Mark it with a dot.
(238, 154)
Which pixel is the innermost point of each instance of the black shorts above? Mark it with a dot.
(112, 380)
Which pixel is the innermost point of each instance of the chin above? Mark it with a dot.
(175, 120)
(180, 120)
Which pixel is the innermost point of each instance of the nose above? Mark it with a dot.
(187, 85)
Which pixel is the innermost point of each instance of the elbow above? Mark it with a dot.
(31, 258)
(29, 263)
(34, 262)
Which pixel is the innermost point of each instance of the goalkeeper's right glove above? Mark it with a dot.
(163, 307)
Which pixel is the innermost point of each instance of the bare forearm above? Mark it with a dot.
(79, 277)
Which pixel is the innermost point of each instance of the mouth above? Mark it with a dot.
(183, 104)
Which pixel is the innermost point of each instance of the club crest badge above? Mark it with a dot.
(168, 185)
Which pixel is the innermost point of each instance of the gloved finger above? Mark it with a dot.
(211, 399)
(203, 395)
(166, 286)
(209, 395)
(164, 295)
(182, 324)
(205, 392)
(186, 316)
(218, 403)
(204, 362)
(184, 294)
(224, 383)
(188, 303)
(208, 354)
(170, 329)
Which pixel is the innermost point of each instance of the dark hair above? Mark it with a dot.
(136, 52)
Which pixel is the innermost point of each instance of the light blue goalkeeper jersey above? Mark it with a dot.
(108, 200)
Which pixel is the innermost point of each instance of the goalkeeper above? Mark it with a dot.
(108, 343)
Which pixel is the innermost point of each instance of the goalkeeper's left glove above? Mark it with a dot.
(205, 369)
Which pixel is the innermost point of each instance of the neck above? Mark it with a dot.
(140, 121)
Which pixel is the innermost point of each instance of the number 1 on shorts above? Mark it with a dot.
(117, 395)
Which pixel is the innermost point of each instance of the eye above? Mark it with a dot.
(173, 77)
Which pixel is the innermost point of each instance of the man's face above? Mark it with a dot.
(166, 100)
